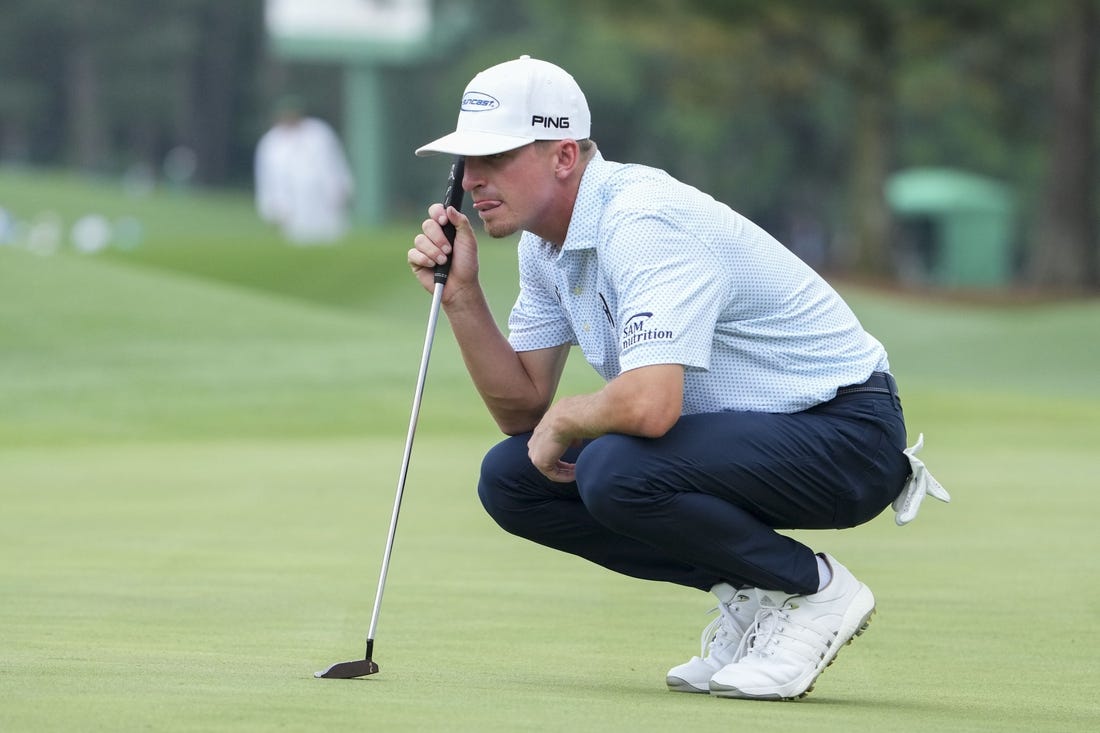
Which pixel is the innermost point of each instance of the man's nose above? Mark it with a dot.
(472, 175)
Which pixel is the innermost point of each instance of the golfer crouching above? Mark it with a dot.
(742, 395)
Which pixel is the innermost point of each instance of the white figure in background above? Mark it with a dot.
(303, 181)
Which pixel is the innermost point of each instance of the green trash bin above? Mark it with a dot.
(962, 224)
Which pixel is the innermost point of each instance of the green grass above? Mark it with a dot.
(198, 451)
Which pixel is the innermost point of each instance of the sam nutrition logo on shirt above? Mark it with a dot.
(636, 330)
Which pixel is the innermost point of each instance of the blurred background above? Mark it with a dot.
(930, 143)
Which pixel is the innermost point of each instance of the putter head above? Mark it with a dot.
(348, 670)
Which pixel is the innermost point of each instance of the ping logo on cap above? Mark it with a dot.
(478, 102)
(561, 123)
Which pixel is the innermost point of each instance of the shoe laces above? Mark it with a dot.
(723, 631)
(775, 629)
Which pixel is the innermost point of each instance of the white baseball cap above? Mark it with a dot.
(515, 103)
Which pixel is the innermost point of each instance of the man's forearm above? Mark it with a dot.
(514, 398)
(645, 402)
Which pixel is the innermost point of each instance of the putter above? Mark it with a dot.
(367, 665)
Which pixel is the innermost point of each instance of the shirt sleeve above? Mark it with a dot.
(671, 290)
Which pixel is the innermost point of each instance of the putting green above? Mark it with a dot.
(198, 585)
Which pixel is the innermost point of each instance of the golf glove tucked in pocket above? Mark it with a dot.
(920, 482)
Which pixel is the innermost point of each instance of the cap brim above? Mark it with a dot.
(474, 143)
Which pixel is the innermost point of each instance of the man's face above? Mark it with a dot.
(514, 190)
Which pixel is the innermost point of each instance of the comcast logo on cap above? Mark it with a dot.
(478, 102)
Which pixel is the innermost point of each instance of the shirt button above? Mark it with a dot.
(587, 328)
(578, 290)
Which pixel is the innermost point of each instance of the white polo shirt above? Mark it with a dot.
(654, 271)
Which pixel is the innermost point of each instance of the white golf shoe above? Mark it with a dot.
(719, 642)
(794, 638)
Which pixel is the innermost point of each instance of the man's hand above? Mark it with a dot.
(431, 248)
(550, 439)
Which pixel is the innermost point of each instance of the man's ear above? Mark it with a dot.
(568, 156)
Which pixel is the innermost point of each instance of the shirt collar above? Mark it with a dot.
(585, 222)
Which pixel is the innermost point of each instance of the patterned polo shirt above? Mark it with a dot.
(654, 271)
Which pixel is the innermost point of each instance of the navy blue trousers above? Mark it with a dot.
(702, 503)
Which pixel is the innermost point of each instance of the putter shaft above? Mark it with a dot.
(362, 667)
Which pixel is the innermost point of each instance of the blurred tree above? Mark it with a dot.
(85, 34)
(25, 101)
(125, 81)
(881, 43)
(224, 67)
(872, 75)
(1067, 254)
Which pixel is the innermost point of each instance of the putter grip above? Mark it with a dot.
(452, 197)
